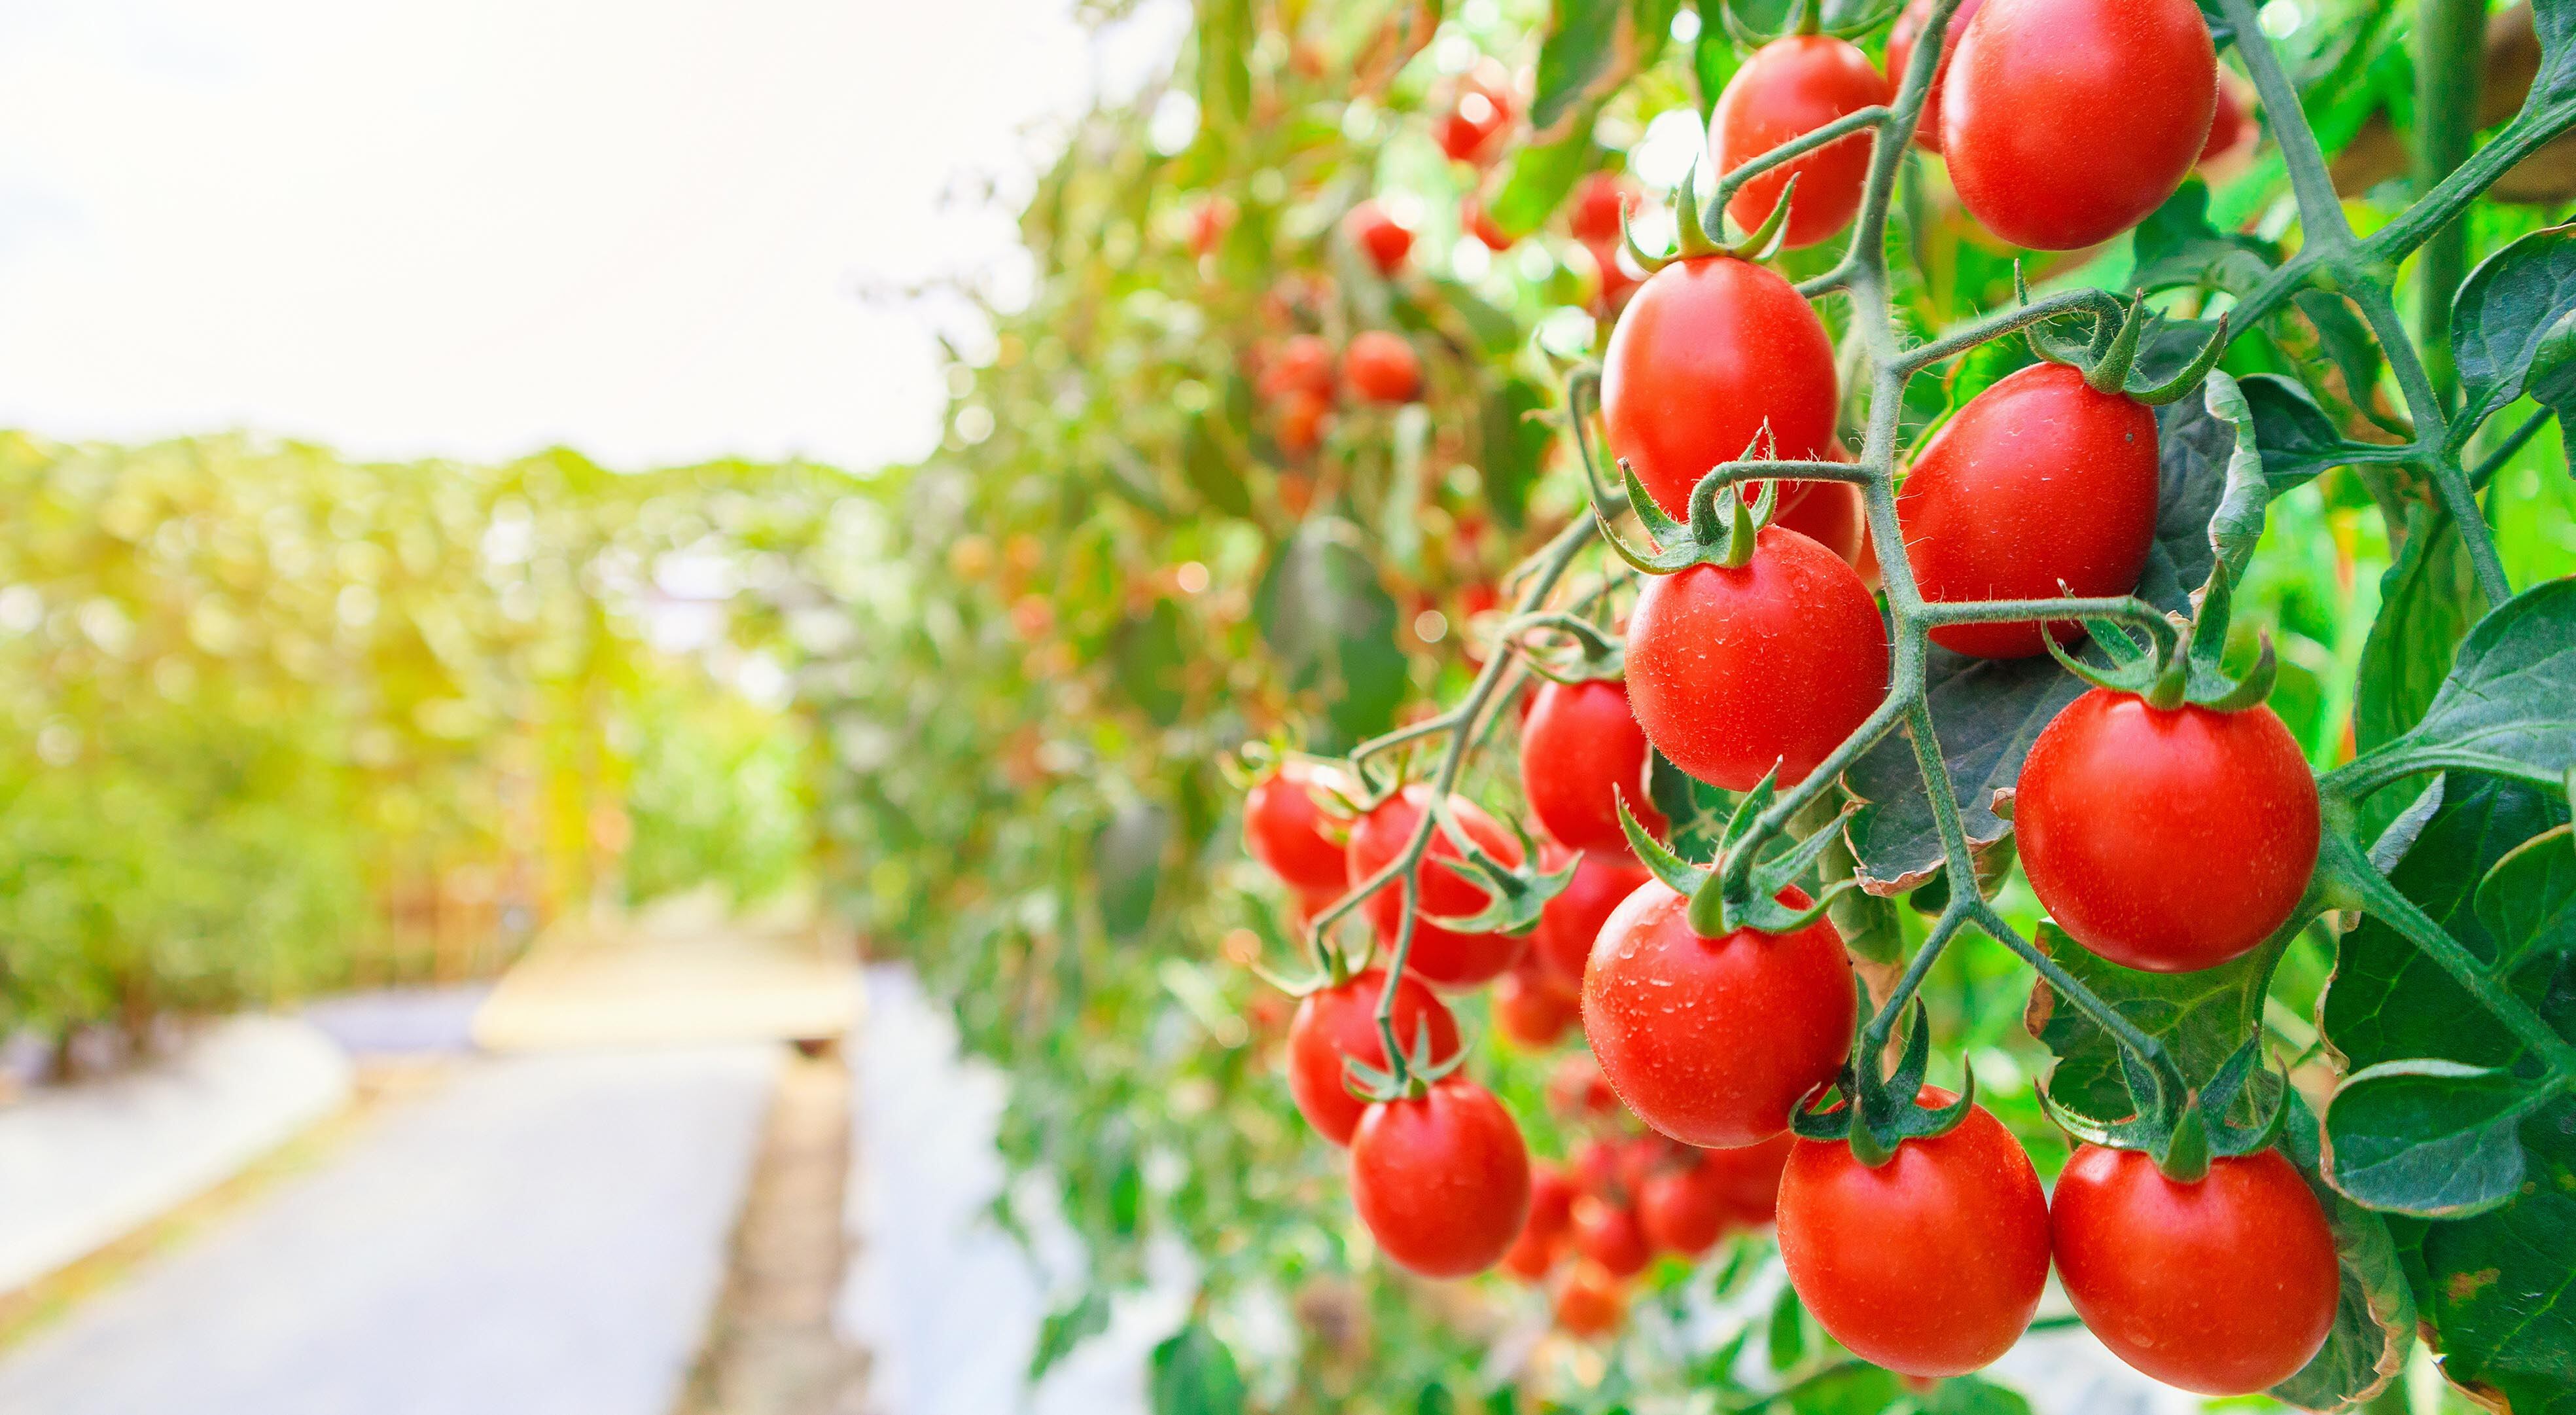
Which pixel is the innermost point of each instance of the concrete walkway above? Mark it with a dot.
(543, 1236)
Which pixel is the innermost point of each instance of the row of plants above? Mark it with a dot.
(1295, 449)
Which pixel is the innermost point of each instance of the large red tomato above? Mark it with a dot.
(1711, 1040)
(1441, 957)
(2039, 488)
(2168, 841)
(1532, 1008)
(1608, 1234)
(1383, 239)
(1287, 831)
(1582, 752)
(1735, 670)
(1900, 52)
(1567, 924)
(1337, 1023)
(1443, 1179)
(1930, 1264)
(1708, 352)
(2066, 122)
(1790, 87)
(1381, 367)
(2224, 1286)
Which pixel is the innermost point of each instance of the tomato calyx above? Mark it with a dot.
(1742, 891)
(1514, 898)
(1805, 17)
(1722, 529)
(1410, 1081)
(2183, 668)
(1698, 238)
(1878, 1113)
(2180, 1128)
(2109, 358)
(1593, 656)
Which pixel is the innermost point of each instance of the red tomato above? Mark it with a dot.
(1479, 223)
(1930, 1264)
(1830, 513)
(1473, 127)
(1533, 1009)
(1380, 236)
(1287, 831)
(1733, 671)
(1685, 1210)
(1301, 422)
(1617, 281)
(1577, 1090)
(1790, 87)
(2166, 841)
(1381, 367)
(1591, 1304)
(1708, 352)
(1303, 364)
(1597, 1166)
(1600, 200)
(1552, 1196)
(2040, 487)
(1441, 957)
(2231, 126)
(1607, 1234)
(1442, 1179)
(1337, 1023)
(1581, 752)
(2067, 121)
(1208, 225)
(1711, 1040)
(1532, 1255)
(1567, 924)
(2226, 1286)
(1900, 52)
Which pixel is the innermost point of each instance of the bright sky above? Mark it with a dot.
(480, 227)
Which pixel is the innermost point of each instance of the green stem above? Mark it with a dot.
(2321, 219)
(2432, 437)
(2450, 36)
(2003, 322)
(2494, 461)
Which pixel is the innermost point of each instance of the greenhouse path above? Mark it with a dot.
(542, 1234)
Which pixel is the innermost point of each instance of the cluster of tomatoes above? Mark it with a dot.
(2163, 834)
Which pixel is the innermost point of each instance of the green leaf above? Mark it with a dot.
(2528, 901)
(2506, 310)
(1851, 1389)
(2197, 448)
(1967, 1395)
(1540, 176)
(1331, 625)
(2374, 1326)
(2296, 438)
(1066, 1328)
(2509, 706)
(2177, 246)
(2202, 1018)
(1696, 811)
(2387, 1001)
(1514, 447)
(1127, 859)
(2427, 601)
(2346, 340)
(1194, 1374)
(1578, 59)
(1151, 662)
(2235, 525)
(2427, 1137)
(1212, 470)
(2500, 1288)
(1713, 59)
(1400, 524)
(2555, 23)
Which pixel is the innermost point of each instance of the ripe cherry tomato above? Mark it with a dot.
(2166, 841)
(1930, 1264)
(1567, 924)
(2040, 487)
(1379, 235)
(1533, 1008)
(1732, 671)
(2066, 122)
(1618, 282)
(1591, 1303)
(1577, 1090)
(1479, 223)
(1335, 1023)
(1685, 1209)
(1711, 1040)
(1381, 367)
(1552, 1196)
(1830, 513)
(1581, 753)
(1607, 1235)
(1900, 52)
(1302, 364)
(1790, 87)
(1208, 225)
(1441, 1179)
(1441, 957)
(1709, 351)
(1478, 116)
(1532, 1255)
(1600, 200)
(1285, 828)
(2225, 1286)
(1301, 418)
(1597, 1163)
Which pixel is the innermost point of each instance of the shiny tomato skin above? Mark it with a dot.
(1685, 1209)
(1443, 1179)
(1286, 830)
(1592, 1302)
(1732, 671)
(2066, 122)
(1830, 513)
(1601, 202)
(1710, 1041)
(1582, 753)
(1334, 1023)
(1790, 87)
(1929, 1265)
(1441, 957)
(2040, 487)
(2224, 1286)
(1379, 236)
(1381, 368)
(1567, 924)
(2166, 841)
(1607, 1234)
(1901, 37)
(1532, 1008)
(1707, 352)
